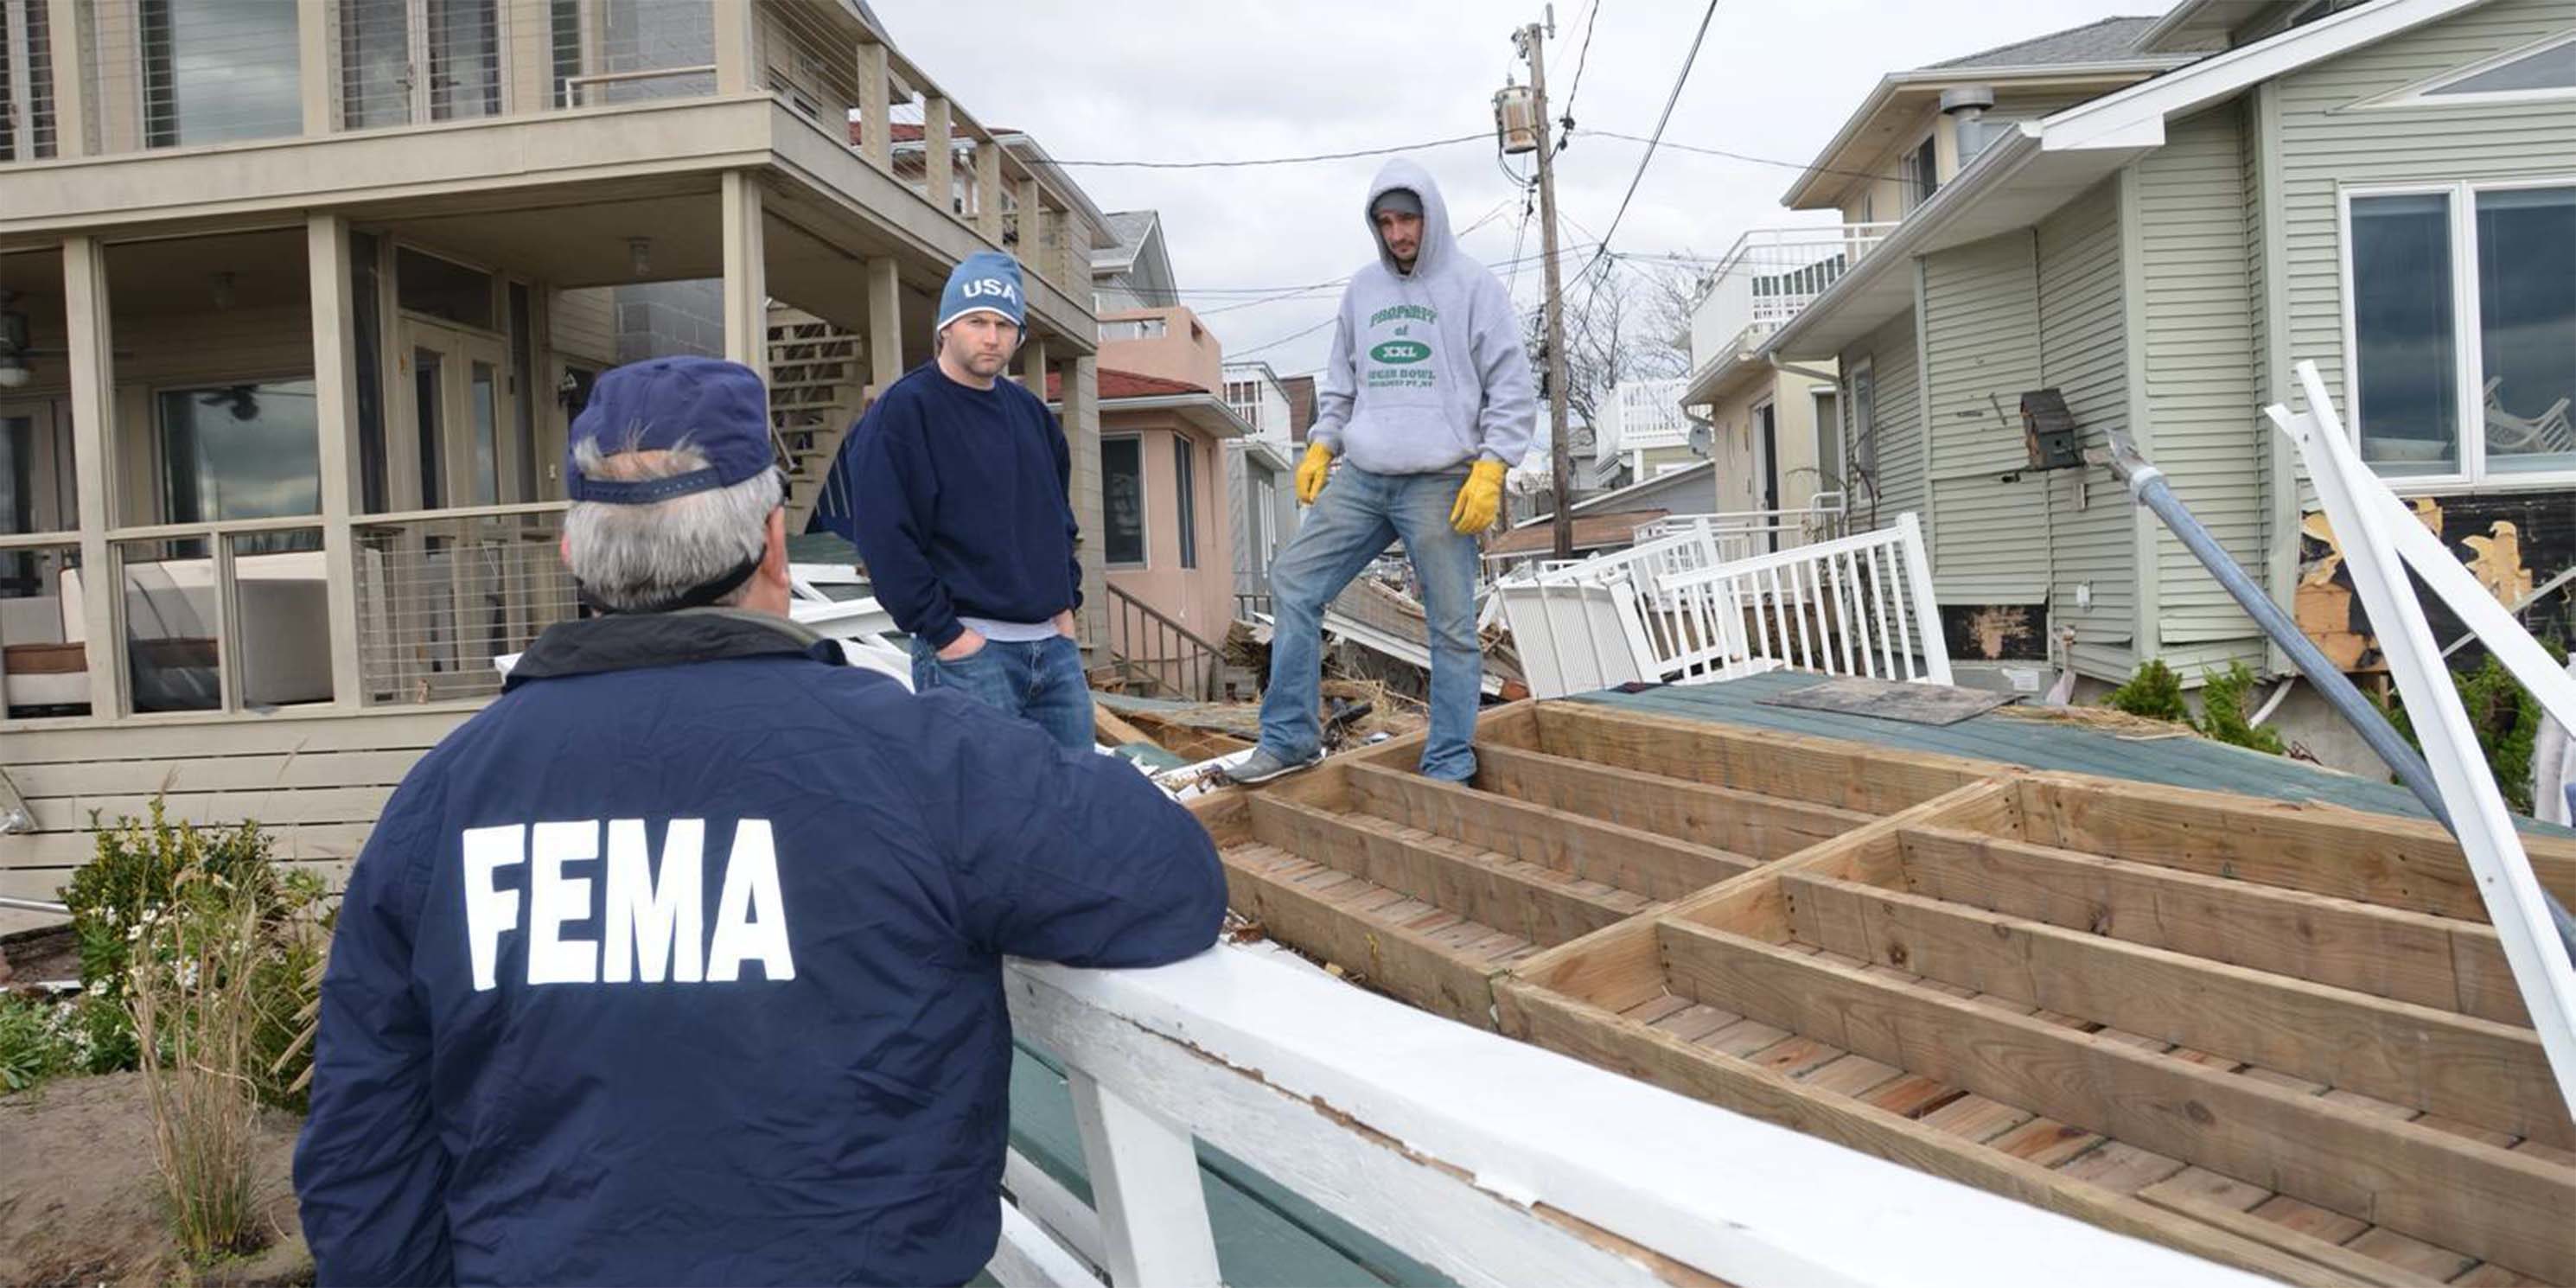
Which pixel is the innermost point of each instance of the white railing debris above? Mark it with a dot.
(1490, 1160)
(1689, 608)
(2381, 541)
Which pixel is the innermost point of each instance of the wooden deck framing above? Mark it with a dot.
(2280, 1036)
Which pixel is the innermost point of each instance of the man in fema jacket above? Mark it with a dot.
(681, 962)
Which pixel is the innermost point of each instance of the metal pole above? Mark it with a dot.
(2148, 487)
(1559, 452)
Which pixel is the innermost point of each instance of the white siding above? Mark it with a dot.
(2199, 311)
(2322, 144)
(1981, 344)
(2083, 355)
(584, 325)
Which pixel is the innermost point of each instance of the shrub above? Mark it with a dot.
(2506, 718)
(135, 879)
(2154, 692)
(193, 989)
(2223, 715)
(38, 1040)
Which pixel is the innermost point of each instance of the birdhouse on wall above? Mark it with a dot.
(2048, 431)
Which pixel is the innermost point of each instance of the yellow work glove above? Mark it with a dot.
(1311, 472)
(1481, 500)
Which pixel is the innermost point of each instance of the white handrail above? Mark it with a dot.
(2377, 549)
(1446, 1141)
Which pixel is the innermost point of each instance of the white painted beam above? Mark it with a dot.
(335, 413)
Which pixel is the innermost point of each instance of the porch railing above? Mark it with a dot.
(1151, 650)
(1677, 610)
(443, 592)
(1768, 277)
(1491, 1161)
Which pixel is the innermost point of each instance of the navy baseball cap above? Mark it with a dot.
(720, 408)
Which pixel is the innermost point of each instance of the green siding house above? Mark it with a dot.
(2386, 188)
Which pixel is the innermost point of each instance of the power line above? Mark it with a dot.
(1582, 58)
(1740, 156)
(1688, 61)
(1298, 335)
(1295, 160)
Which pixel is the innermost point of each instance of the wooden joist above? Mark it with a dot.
(1765, 827)
(2410, 956)
(2478, 1071)
(1478, 885)
(2482, 1200)
(1794, 766)
(1647, 863)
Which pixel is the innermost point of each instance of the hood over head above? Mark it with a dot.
(1438, 242)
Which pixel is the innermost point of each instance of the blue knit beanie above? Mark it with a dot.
(987, 280)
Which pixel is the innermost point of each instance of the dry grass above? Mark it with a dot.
(193, 990)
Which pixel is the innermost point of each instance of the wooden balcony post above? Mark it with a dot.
(314, 66)
(1080, 400)
(988, 189)
(1033, 366)
(876, 134)
(746, 279)
(885, 327)
(335, 413)
(939, 166)
(93, 381)
(735, 27)
(1032, 218)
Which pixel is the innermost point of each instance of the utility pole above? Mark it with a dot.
(1530, 39)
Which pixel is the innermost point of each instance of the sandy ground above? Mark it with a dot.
(80, 1202)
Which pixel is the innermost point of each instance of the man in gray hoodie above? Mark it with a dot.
(1428, 400)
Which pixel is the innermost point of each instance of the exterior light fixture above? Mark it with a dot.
(639, 255)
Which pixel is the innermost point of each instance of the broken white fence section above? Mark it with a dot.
(2379, 537)
(1490, 1160)
(1676, 610)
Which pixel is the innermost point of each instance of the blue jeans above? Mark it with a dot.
(1355, 519)
(1040, 680)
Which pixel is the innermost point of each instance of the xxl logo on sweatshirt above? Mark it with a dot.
(651, 929)
(1401, 352)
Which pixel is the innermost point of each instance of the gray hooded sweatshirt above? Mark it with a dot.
(1427, 371)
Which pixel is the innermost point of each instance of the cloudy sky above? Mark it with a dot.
(1225, 80)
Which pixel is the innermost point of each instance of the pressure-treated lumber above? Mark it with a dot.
(1449, 874)
(1404, 963)
(2473, 1197)
(1874, 780)
(1647, 863)
(2409, 956)
(2493, 1075)
(1765, 827)
(2397, 862)
(1598, 1036)
(2358, 1267)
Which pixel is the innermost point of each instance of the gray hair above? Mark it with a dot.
(632, 557)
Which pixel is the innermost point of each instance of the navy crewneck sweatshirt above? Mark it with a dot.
(959, 500)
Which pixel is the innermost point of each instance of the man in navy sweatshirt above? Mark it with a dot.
(958, 480)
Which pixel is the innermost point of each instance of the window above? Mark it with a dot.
(1122, 501)
(1829, 466)
(1863, 443)
(1922, 175)
(2551, 67)
(424, 283)
(26, 82)
(1265, 522)
(1185, 491)
(215, 70)
(2421, 267)
(245, 451)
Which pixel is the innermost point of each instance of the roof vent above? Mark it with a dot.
(1967, 101)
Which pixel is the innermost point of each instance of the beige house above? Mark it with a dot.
(299, 299)
(1166, 535)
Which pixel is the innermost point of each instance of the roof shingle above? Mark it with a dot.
(2110, 40)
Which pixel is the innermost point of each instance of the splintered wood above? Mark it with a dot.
(2278, 1036)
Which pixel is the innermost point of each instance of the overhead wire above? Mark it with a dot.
(1582, 59)
(1258, 161)
(1689, 61)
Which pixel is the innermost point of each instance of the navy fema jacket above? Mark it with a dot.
(681, 963)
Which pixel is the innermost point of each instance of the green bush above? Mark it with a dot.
(2154, 692)
(36, 1041)
(134, 881)
(2223, 715)
(2506, 718)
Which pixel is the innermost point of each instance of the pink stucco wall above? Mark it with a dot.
(1188, 351)
(1200, 598)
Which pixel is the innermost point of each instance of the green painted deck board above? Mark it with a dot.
(2185, 761)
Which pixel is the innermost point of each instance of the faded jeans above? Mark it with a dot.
(1039, 680)
(1355, 519)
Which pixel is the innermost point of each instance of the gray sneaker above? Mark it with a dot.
(1264, 764)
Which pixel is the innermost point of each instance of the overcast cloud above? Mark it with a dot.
(1217, 81)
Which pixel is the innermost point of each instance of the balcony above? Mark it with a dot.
(1766, 278)
(84, 80)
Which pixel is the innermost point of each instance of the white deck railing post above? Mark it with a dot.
(1145, 1184)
